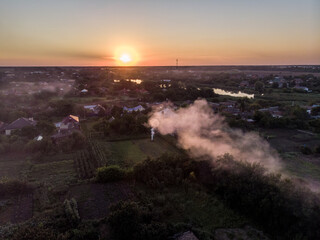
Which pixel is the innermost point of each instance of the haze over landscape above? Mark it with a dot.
(78, 32)
(159, 120)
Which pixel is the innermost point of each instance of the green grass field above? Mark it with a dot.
(297, 165)
(299, 98)
(129, 152)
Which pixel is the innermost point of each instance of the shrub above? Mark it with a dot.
(71, 210)
(85, 233)
(128, 220)
(305, 150)
(167, 170)
(110, 174)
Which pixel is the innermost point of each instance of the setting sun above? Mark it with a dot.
(126, 56)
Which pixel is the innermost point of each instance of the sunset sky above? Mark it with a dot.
(154, 32)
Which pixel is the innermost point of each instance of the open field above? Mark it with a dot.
(288, 142)
(287, 98)
(129, 152)
(302, 166)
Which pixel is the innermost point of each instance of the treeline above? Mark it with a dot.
(122, 123)
(295, 117)
(178, 92)
(278, 206)
(281, 208)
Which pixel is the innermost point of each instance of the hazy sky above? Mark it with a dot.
(198, 32)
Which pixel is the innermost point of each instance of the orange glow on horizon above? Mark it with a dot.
(126, 56)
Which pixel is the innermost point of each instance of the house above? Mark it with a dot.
(244, 84)
(274, 111)
(65, 128)
(280, 80)
(214, 106)
(228, 104)
(298, 81)
(303, 88)
(134, 109)
(70, 122)
(94, 110)
(38, 138)
(19, 124)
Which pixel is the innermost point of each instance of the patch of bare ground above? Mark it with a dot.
(17, 209)
(95, 199)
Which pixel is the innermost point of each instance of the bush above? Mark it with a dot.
(305, 150)
(128, 220)
(85, 233)
(71, 210)
(111, 173)
(164, 171)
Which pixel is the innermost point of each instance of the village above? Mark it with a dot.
(64, 130)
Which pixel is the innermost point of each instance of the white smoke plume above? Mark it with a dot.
(204, 133)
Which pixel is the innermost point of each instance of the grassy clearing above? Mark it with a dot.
(300, 166)
(156, 148)
(129, 152)
(123, 153)
(301, 98)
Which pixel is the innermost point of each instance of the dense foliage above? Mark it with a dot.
(110, 174)
(283, 209)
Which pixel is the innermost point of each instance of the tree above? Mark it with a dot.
(300, 113)
(110, 174)
(62, 108)
(275, 85)
(259, 86)
(45, 127)
(315, 111)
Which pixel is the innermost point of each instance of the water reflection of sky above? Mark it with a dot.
(232, 94)
(137, 81)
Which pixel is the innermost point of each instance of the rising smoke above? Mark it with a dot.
(205, 134)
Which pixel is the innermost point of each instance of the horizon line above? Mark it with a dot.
(223, 65)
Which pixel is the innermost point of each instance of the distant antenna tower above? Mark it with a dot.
(177, 63)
